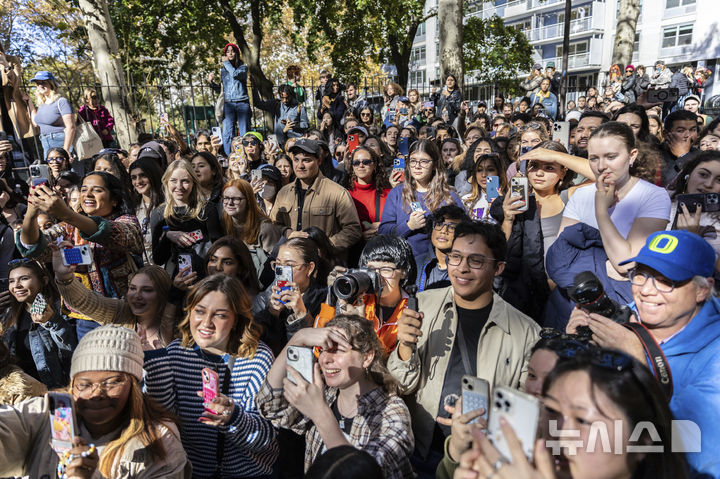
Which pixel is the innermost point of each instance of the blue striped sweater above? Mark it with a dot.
(173, 377)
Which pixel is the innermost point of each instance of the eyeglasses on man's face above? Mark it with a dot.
(474, 261)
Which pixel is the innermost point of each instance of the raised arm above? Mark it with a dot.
(574, 163)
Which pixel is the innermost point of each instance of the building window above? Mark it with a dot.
(417, 77)
(420, 30)
(577, 12)
(636, 43)
(523, 26)
(678, 3)
(437, 49)
(677, 36)
(417, 54)
(575, 49)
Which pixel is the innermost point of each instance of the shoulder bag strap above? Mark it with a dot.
(660, 366)
(377, 205)
(220, 450)
(463, 350)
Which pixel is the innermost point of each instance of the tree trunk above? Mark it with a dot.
(450, 21)
(628, 14)
(562, 94)
(108, 68)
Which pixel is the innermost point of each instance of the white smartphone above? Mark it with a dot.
(519, 187)
(302, 360)
(77, 255)
(185, 260)
(521, 411)
(475, 393)
(256, 175)
(561, 133)
(217, 131)
(62, 421)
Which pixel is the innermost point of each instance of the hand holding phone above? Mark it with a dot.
(475, 394)
(353, 143)
(210, 383)
(62, 421)
(521, 411)
(302, 360)
(519, 188)
(77, 255)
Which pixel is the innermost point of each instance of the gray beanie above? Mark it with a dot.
(109, 348)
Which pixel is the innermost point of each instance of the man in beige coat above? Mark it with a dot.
(314, 200)
(462, 329)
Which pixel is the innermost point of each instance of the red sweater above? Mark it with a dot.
(364, 198)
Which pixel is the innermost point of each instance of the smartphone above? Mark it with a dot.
(428, 104)
(62, 421)
(525, 149)
(416, 206)
(709, 202)
(492, 186)
(210, 382)
(185, 261)
(77, 255)
(301, 359)
(196, 235)
(475, 394)
(521, 411)
(256, 174)
(217, 131)
(523, 167)
(399, 164)
(283, 276)
(39, 175)
(223, 162)
(561, 133)
(4, 285)
(404, 146)
(3, 136)
(519, 187)
(431, 132)
(39, 305)
(353, 143)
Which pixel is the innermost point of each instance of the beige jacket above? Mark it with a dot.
(16, 385)
(11, 95)
(327, 205)
(502, 355)
(25, 448)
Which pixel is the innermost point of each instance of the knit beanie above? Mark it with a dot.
(109, 348)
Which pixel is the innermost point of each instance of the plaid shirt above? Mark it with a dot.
(381, 427)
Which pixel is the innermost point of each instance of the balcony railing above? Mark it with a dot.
(485, 11)
(521, 6)
(575, 62)
(679, 11)
(556, 30)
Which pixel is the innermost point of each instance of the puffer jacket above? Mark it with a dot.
(523, 283)
(578, 248)
(25, 447)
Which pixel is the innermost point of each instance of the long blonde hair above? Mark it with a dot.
(144, 416)
(438, 189)
(196, 205)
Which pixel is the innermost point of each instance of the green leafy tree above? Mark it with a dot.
(495, 53)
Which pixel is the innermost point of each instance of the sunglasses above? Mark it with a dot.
(14, 263)
(250, 142)
(362, 162)
(55, 159)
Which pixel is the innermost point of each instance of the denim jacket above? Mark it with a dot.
(51, 344)
(233, 82)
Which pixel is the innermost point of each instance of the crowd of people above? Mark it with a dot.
(307, 302)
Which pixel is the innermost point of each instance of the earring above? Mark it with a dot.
(686, 177)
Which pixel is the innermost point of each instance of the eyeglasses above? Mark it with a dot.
(15, 263)
(233, 199)
(110, 386)
(293, 265)
(421, 163)
(475, 261)
(450, 227)
(250, 142)
(663, 285)
(362, 162)
(366, 113)
(386, 272)
(55, 159)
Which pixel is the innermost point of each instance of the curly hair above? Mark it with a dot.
(245, 334)
(438, 189)
(364, 339)
(379, 178)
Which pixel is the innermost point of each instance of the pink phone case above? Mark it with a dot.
(210, 381)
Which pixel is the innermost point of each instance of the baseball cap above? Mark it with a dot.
(677, 255)
(306, 145)
(550, 65)
(537, 66)
(256, 135)
(152, 149)
(693, 97)
(359, 128)
(43, 75)
(270, 172)
(404, 99)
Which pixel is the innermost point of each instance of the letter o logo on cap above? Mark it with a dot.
(663, 244)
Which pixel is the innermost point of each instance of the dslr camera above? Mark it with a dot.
(355, 283)
(589, 294)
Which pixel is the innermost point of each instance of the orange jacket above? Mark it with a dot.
(387, 332)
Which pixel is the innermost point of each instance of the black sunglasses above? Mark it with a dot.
(362, 162)
(250, 142)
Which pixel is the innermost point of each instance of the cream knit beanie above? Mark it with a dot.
(109, 348)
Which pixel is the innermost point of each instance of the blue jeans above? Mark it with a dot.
(234, 112)
(52, 140)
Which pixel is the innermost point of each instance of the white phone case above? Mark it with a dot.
(521, 411)
(475, 393)
(301, 359)
(561, 133)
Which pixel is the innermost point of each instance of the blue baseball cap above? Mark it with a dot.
(43, 75)
(677, 255)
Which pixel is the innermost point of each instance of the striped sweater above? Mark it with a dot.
(173, 377)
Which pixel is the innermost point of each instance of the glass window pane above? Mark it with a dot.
(685, 36)
(672, 3)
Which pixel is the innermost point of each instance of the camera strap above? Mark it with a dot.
(660, 366)
(220, 449)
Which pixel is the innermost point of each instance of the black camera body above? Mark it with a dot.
(355, 283)
(589, 294)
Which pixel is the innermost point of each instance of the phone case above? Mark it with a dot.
(77, 255)
(256, 174)
(301, 359)
(691, 201)
(39, 305)
(353, 143)
(493, 183)
(403, 146)
(210, 381)
(196, 235)
(519, 187)
(185, 260)
(475, 393)
(415, 206)
(561, 133)
(521, 411)
(62, 421)
(712, 202)
(216, 131)
(283, 276)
